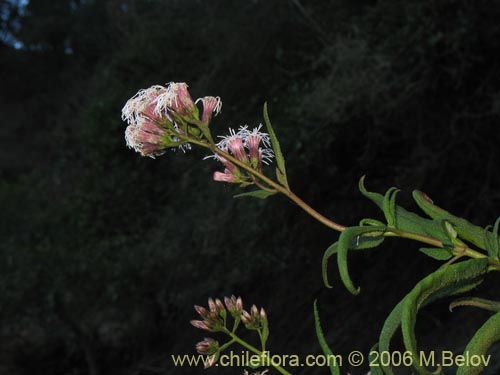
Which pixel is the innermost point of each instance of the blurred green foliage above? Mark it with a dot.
(104, 253)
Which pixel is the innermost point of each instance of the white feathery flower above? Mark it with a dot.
(226, 139)
(138, 105)
(167, 98)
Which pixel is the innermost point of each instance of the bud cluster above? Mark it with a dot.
(234, 306)
(215, 320)
(210, 348)
(256, 319)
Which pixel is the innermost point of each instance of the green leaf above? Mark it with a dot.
(332, 249)
(347, 238)
(375, 370)
(493, 249)
(481, 303)
(281, 178)
(448, 280)
(372, 222)
(265, 333)
(280, 160)
(436, 253)
(483, 339)
(334, 368)
(391, 325)
(450, 230)
(361, 242)
(389, 206)
(261, 194)
(405, 220)
(465, 230)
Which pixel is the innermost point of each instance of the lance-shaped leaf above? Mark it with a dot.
(357, 243)
(448, 280)
(389, 206)
(436, 253)
(465, 230)
(374, 367)
(391, 325)
(334, 368)
(481, 303)
(265, 333)
(261, 194)
(280, 160)
(493, 248)
(455, 281)
(349, 239)
(483, 339)
(408, 221)
(370, 222)
(330, 251)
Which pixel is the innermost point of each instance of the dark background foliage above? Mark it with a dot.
(104, 252)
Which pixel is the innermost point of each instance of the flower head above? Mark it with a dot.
(210, 348)
(148, 138)
(234, 305)
(177, 100)
(210, 105)
(166, 117)
(249, 147)
(254, 319)
(143, 105)
(213, 317)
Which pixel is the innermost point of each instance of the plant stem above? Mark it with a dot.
(255, 350)
(394, 232)
(276, 186)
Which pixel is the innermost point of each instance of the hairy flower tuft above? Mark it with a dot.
(211, 105)
(142, 105)
(176, 99)
(249, 147)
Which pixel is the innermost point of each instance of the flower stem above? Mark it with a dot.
(276, 186)
(255, 350)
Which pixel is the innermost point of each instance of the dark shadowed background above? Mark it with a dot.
(104, 253)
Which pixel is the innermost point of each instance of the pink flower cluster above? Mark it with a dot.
(157, 117)
(215, 320)
(249, 147)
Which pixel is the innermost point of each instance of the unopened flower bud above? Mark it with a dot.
(219, 305)
(255, 311)
(239, 304)
(201, 324)
(234, 305)
(227, 176)
(211, 305)
(229, 302)
(201, 310)
(246, 318)
(263, 315)
(208, 346)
